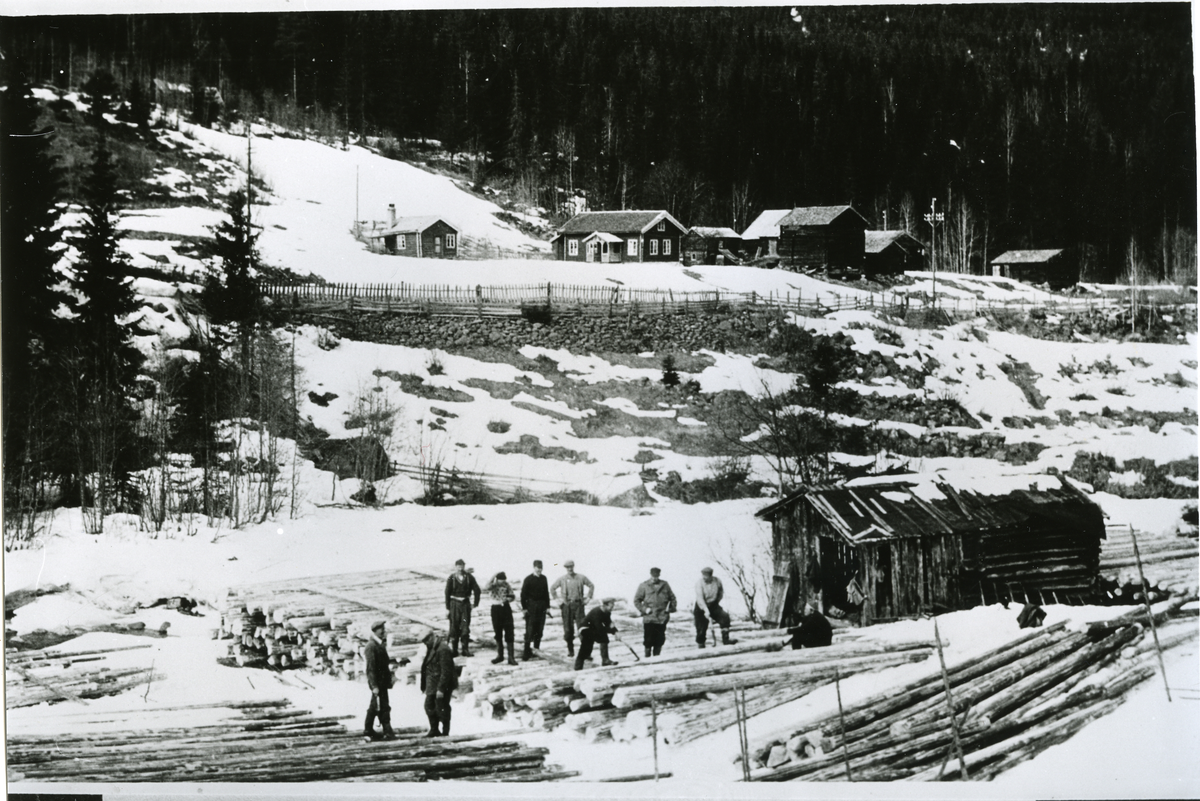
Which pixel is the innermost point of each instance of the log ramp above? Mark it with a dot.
(267, 741)
(1010, 704)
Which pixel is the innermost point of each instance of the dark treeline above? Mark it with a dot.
(1035, 125)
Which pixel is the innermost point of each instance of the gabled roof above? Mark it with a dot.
(817, 215)
(765, 225)
(878, 241)
(603, 237)
(617, 222)
(710, 232)
(1026, 256)
(410, 225)
(864, 511)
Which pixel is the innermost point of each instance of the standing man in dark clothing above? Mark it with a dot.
(597, 625)
(460, 587)
(814, 630)
(572, 592)
(502, 595)
(655, 600)
(709, 592)
(379, 679)
(535, 601)
(439, 678)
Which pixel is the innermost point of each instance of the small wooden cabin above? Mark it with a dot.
(711, 245)
(619, 236)
(896, 549)
(761, 237)
(1053, 267)
(892, 253)
(823, 237)
(421, 237)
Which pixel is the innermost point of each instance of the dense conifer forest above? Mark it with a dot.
(1035, 125)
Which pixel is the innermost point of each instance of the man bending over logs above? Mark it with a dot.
(595, 629)
(709, 593)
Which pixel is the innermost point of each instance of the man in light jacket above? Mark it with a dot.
(572, 591)
(709, 593)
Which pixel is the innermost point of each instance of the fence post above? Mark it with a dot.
(548, 285)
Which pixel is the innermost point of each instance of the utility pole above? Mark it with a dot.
(933, 217)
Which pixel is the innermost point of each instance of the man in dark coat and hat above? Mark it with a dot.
(462, 595)
(655, 600)
(379, 679)
(535, 602)
(439, 678)
(597, 625)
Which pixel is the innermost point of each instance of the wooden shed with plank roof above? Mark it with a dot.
(823, 237)
(888, 549)
(1053, 267)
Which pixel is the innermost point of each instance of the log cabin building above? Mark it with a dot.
(761, 237)
(822, 237)
(880, 550)
(892, 253)
(711, 245)
(1053, 267)
(420, 237)
(619, 236)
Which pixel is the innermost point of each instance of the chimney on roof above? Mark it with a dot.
(391, 215)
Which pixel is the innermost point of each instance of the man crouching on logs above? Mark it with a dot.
(379, 678)
(597, 625)
(439, 678)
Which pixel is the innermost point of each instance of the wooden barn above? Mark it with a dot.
(1053, 267)
(881, 550)
(892, 253)
(710, 245)
(619, 236)
(422, 237)
(823, 237)
(761, 237)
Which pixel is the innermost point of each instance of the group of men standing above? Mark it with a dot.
(572, 591)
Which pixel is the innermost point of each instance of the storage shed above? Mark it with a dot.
(823, 237)
(882, 550)
(1053, 267)
(711, 245)
(892, 253)
(761, 237)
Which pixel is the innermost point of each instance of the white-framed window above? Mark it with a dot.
(451, 241)
(631, 247)
(572, 247)
(402, 242)
(662, 225)
(653, 247)
(666, 247)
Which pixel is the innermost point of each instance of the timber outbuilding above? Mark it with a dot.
(823, 237)
(421, 237)
(904, 548)
(892, 253)
(711, 245)
(619, 236)
(1053, 267)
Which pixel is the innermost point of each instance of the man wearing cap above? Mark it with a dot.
(709, 593)
(655, 600)
(379, 679)
(502, 595)
(535, 601)
(576, 590)
(459, 589)
(439, 678)
(595, 629)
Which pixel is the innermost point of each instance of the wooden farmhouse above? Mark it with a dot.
(422, 237)
(1053, 267)
(891, 253)
(823, 237)
(706, 245)
(619, 236)
(761, 237)
(885, 550)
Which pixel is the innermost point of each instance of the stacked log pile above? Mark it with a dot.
(268, 741)
(691, 689)
(34, 677)
(1169, 563)
(1009, 704)
(323, 623)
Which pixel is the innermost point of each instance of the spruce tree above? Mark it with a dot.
(231, 296)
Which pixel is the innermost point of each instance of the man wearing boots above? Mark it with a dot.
(379, 679)
(460, 588)
(655, 600)
(576, 590)
(501, 593)
(595, 629)
(439, 677)
(535, 601)
(709, 593)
